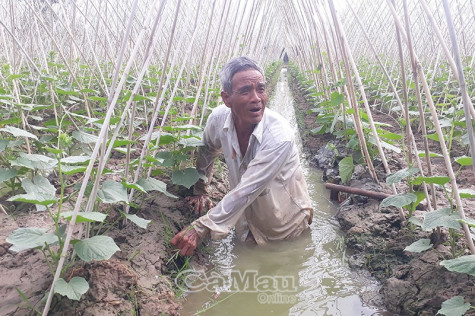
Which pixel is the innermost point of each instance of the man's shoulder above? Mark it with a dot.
(277, 127)
(220, 111)
(218, 115)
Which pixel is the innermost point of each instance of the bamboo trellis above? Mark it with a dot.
(112, 40)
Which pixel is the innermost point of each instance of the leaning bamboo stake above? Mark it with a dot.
(175, 88)
(348, 55)
(107, 152)
(440, 134)
(321, 63)
(158, 101)
(419, 103)
(77, 206)
(203, 66)
(461, 78)
(448, 55)
(409, 135)
(359, 128)
(211, 65)
(86, 103)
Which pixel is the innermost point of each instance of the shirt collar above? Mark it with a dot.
(228, 123)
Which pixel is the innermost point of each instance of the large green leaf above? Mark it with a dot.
(336, 99)
(434, 137)
(454, 306)
(75, 159)
(431, 154)
(74, 289)
(191, 142)
(7, 174)
(134, 186)
(85, 216)
(185, 127)
(346, 168)
(18, 132)
(416, 221)
(389, 135)
(34, 161)
(3, 144)
(39, 191)
(399, 200)
(441, 218)
(419, 246)
(470, 222)
(85, 137)
(113, 192)
(140, 222)
(466, 193)
(69, 170)
(420, 197)
(34, 198)
(95, 248)
(464, 264)
(168, 160)
(39, 185)
(186, 177)
(433, 179)
(464, 160)
(398, 176)
(29, 238)
(388, 146)
(152, 184)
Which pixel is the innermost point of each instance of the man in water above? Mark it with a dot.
(268, 198)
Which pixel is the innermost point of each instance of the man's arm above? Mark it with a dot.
(261, 171)
(207, 154)
(221, 219)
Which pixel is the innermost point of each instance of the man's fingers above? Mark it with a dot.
(210, 203)
(190, 251)
(184, 250)
(176, 239)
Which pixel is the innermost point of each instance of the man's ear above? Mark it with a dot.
(225, 96)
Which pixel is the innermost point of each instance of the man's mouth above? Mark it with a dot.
(255, 109)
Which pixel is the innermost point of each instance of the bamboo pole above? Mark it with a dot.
(461, 79)
(448, 55)
(435, 119)
(71, 226)
(346, 56)
(409, 134)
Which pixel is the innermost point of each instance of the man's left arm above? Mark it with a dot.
(223, 217)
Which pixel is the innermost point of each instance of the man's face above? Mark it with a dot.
(248, 98)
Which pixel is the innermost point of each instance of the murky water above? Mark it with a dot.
(304, 276)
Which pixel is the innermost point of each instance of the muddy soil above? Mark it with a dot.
(137, 280)
(412, 283)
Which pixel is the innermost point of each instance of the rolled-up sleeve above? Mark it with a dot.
(265, 166)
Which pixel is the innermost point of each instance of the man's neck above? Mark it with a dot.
(244, 134)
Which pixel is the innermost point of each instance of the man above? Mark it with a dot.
(268, 198)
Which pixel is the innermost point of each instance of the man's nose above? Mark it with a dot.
(255, 97)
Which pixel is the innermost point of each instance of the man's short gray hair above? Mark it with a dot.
(234, 66)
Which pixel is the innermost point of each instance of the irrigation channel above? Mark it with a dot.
(311, 271)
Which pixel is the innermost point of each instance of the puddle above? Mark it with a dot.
(304, 276)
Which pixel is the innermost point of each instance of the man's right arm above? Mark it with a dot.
(200, 201)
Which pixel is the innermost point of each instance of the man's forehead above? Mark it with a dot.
(248, 76)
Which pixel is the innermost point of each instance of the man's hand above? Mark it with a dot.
(199, 203)
(187, 240)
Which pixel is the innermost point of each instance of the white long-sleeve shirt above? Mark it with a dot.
(268, 193)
